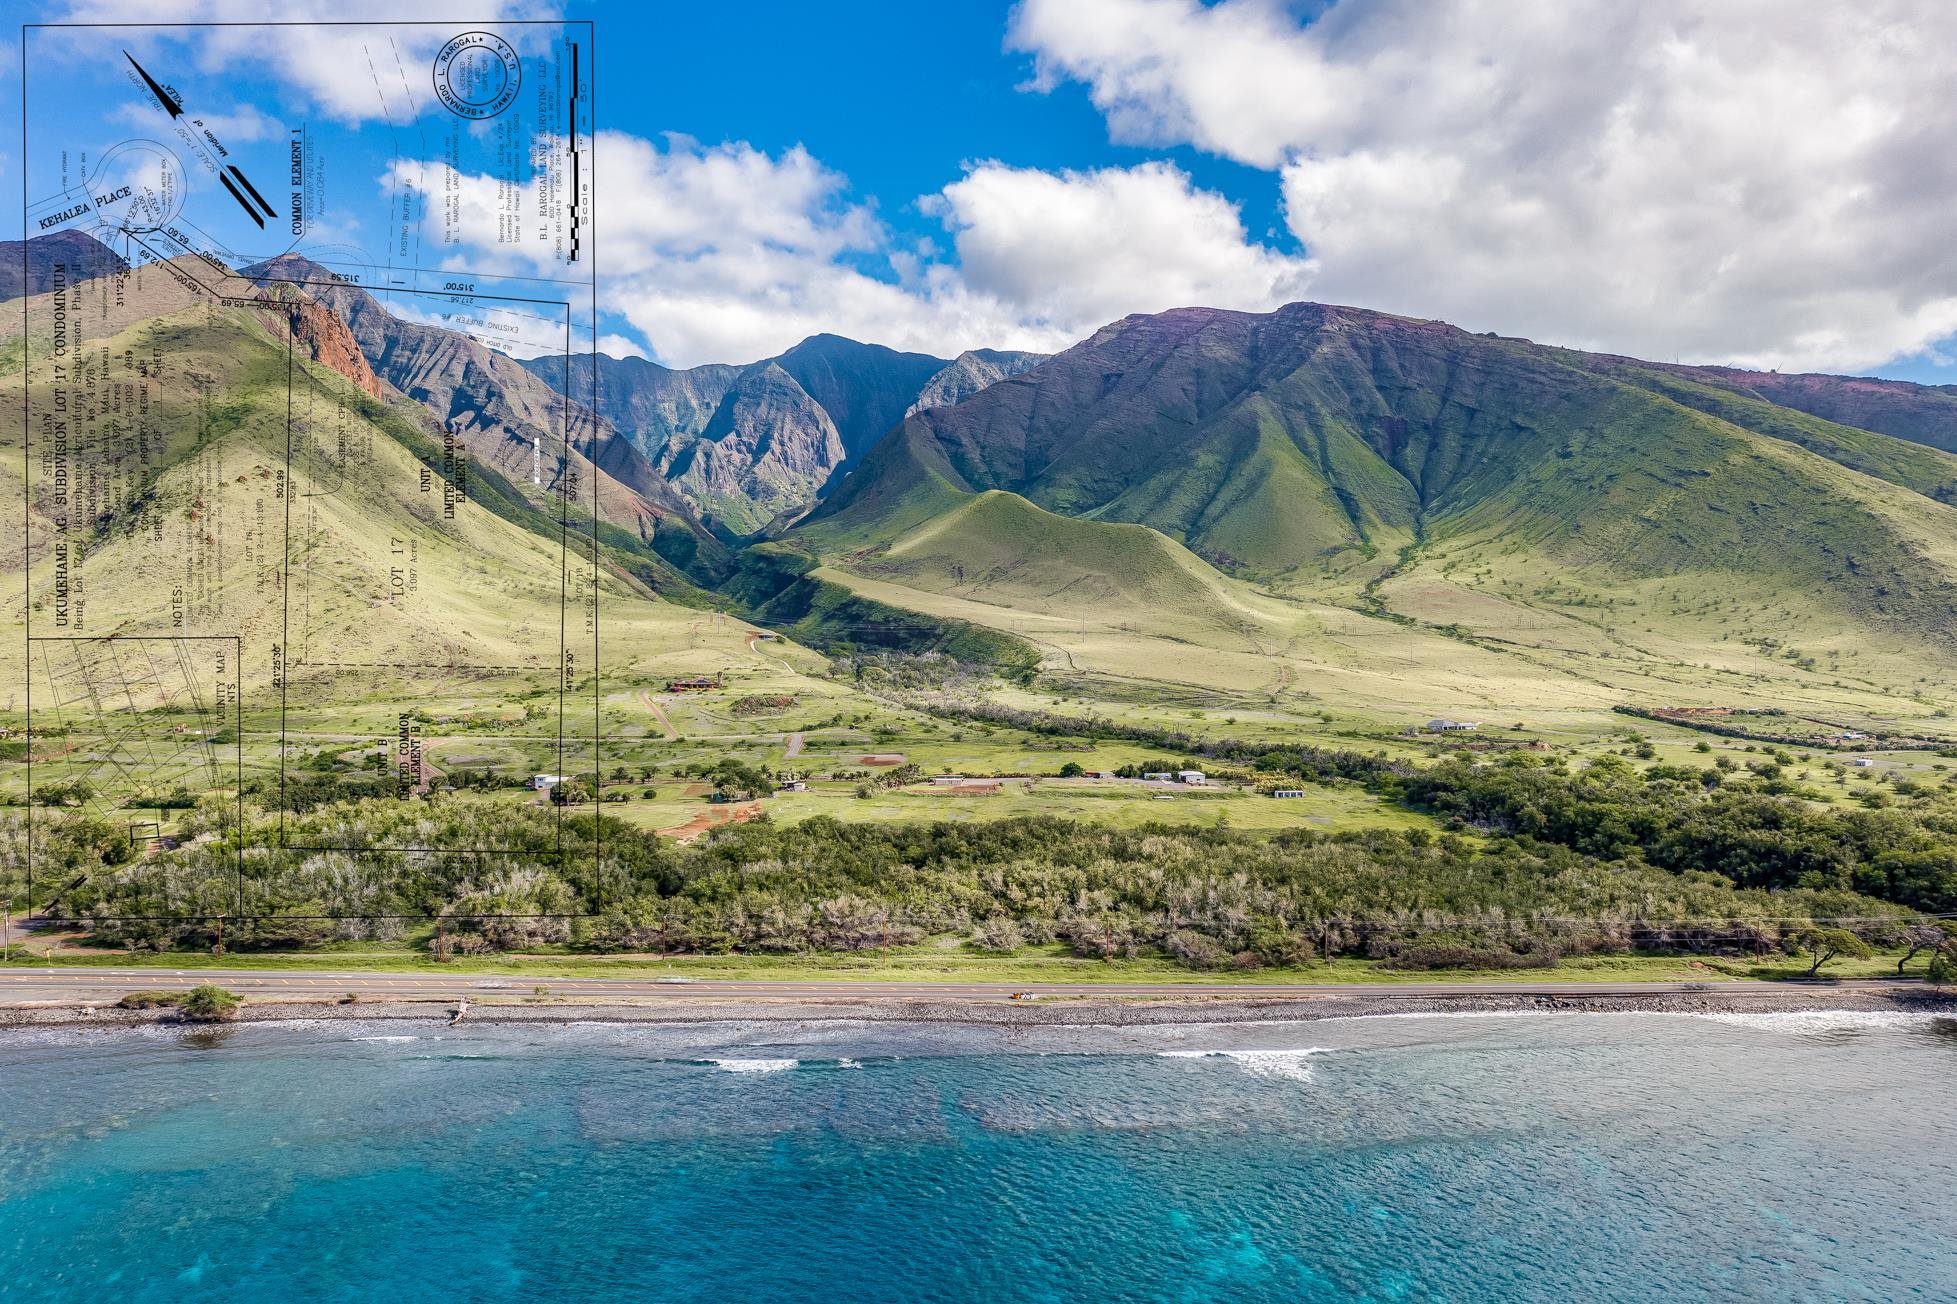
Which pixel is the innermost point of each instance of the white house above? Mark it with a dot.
(1449, 726)
(545, 782)
(1287, 792)
(1190, 776)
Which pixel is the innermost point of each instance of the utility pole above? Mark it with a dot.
(6, 930)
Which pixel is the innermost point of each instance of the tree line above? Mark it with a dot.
(1207, 897)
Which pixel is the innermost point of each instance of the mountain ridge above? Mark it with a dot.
(1323, 448)
(747, 447)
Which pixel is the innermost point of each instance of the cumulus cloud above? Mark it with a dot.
(1732, 180)
(351, 74)
(621, 346)
(1074, 250)
(242, 124)
(728, 253)
(716, 253)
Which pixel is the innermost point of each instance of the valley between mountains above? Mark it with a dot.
(861, 567)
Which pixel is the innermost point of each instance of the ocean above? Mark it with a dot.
(1518, 1157)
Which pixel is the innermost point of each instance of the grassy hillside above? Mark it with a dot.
(1317, 442)
(1397, 519)
(997, 548)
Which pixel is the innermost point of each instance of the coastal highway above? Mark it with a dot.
(65, 985)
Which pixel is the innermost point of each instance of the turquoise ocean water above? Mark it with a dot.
(1528, 1157)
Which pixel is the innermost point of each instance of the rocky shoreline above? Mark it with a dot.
(1059, 1011)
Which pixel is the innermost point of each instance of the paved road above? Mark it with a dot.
(63, 985)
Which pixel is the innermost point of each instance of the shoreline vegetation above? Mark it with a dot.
(953, 961)
(1541, 869)
(1522, 863)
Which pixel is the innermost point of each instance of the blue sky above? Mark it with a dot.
(896, 106)
(1766, 185)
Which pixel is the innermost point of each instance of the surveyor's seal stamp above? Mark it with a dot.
(477, 74)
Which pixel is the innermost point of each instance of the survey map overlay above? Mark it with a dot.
(241, 532)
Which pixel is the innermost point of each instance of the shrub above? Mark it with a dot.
(150, 1000)
(1444, 956)
(1281, 947)
(208, 1004)
(1196, 950)
(1001, 936)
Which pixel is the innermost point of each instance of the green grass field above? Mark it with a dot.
(949, 960)
(1115, 802)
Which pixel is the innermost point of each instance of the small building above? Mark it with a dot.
(1191, 776)
(1863, 763)
(1158, 776)
(947, 780)
(1287, 792)
(1452, 726)
(1100, 774)
(793, 785)
(545, 782)
(692, 684)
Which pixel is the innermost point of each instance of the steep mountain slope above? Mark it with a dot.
(1926, 414)
(652, 404)
(202, 509)
(29, 266)
(970, 372)
(745, 446)
(1521, 498)
(865, 388)
(312, 511)
(502, 413)
(768, 448)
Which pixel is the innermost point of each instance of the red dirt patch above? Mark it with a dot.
(708, 819)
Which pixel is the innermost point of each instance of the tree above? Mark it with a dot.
(734, 778)
(1939, 935)
(1829, 944)
(1071, 770)
(209, 1004)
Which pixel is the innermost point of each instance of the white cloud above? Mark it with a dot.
(726, 254)
(351, 74)
(1738, 180)
(622, 346)
(243, 124)
(1078, 249)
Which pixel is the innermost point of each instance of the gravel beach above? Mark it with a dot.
(1136, 1011)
